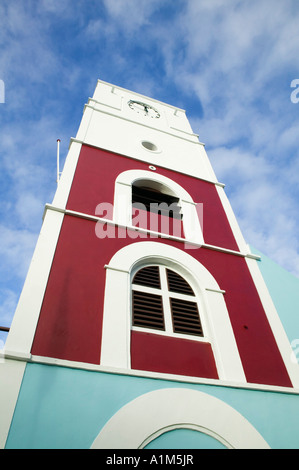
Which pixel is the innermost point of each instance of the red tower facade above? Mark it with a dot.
(126, 284)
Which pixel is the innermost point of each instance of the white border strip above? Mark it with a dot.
(86, 144)
(11, 375)
(22, 331)
(151, 375)
(275, 323)
(150, 232)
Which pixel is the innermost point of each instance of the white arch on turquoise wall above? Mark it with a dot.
(150, 415)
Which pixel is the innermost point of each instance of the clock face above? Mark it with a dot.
(144, 109)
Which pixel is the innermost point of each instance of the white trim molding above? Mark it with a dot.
(150, 415)
(276, 325)
(242, 245)
(152, 375)
(67, 175)
(22, 331)
(190, 244)
(11, 376)
(115, 349)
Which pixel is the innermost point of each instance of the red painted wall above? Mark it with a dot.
(97, 171)
(261, 359)
(158, 223)
(70, 323)
(172, 356)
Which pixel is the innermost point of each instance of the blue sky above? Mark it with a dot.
(229, 63)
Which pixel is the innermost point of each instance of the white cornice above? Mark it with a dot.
(146, 374)
(150, 232)
(191, 138)
(113, 87)
(82, 142)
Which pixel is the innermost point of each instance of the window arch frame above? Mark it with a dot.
(122, 205)
(116, 330)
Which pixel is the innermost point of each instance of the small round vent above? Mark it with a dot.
(149, 146)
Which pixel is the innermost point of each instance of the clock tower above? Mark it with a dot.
(144, 308)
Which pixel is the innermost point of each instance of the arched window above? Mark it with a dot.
(163, 300)
(155, 199)
(151, 201)
(125, 269)
(155, 207)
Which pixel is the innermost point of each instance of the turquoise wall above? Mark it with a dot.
(284, 290)
(66, 408)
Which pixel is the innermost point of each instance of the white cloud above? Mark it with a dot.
(16, 251)
(97, 27)
(28, 207)
(28, 168)
(24, 41)
(236, 57)
(266, 212)
(237, 164)
(131, 15)
(58, 8)
(8, 304)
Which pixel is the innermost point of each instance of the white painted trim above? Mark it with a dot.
(95, 218)
(115, 346)
(189, 137)
(128, 177)
(192, 427)
(215, 182)
(11, 376)
(138, 422)
(25, 320)
(24, 323)
(52, 361)
(85, 123)
(175, 108)
(198, 339)
(115, 350)
(67, 175)
(221, 291)
(243, 247)
(115, 269)
(22, 330)
(277, 328)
